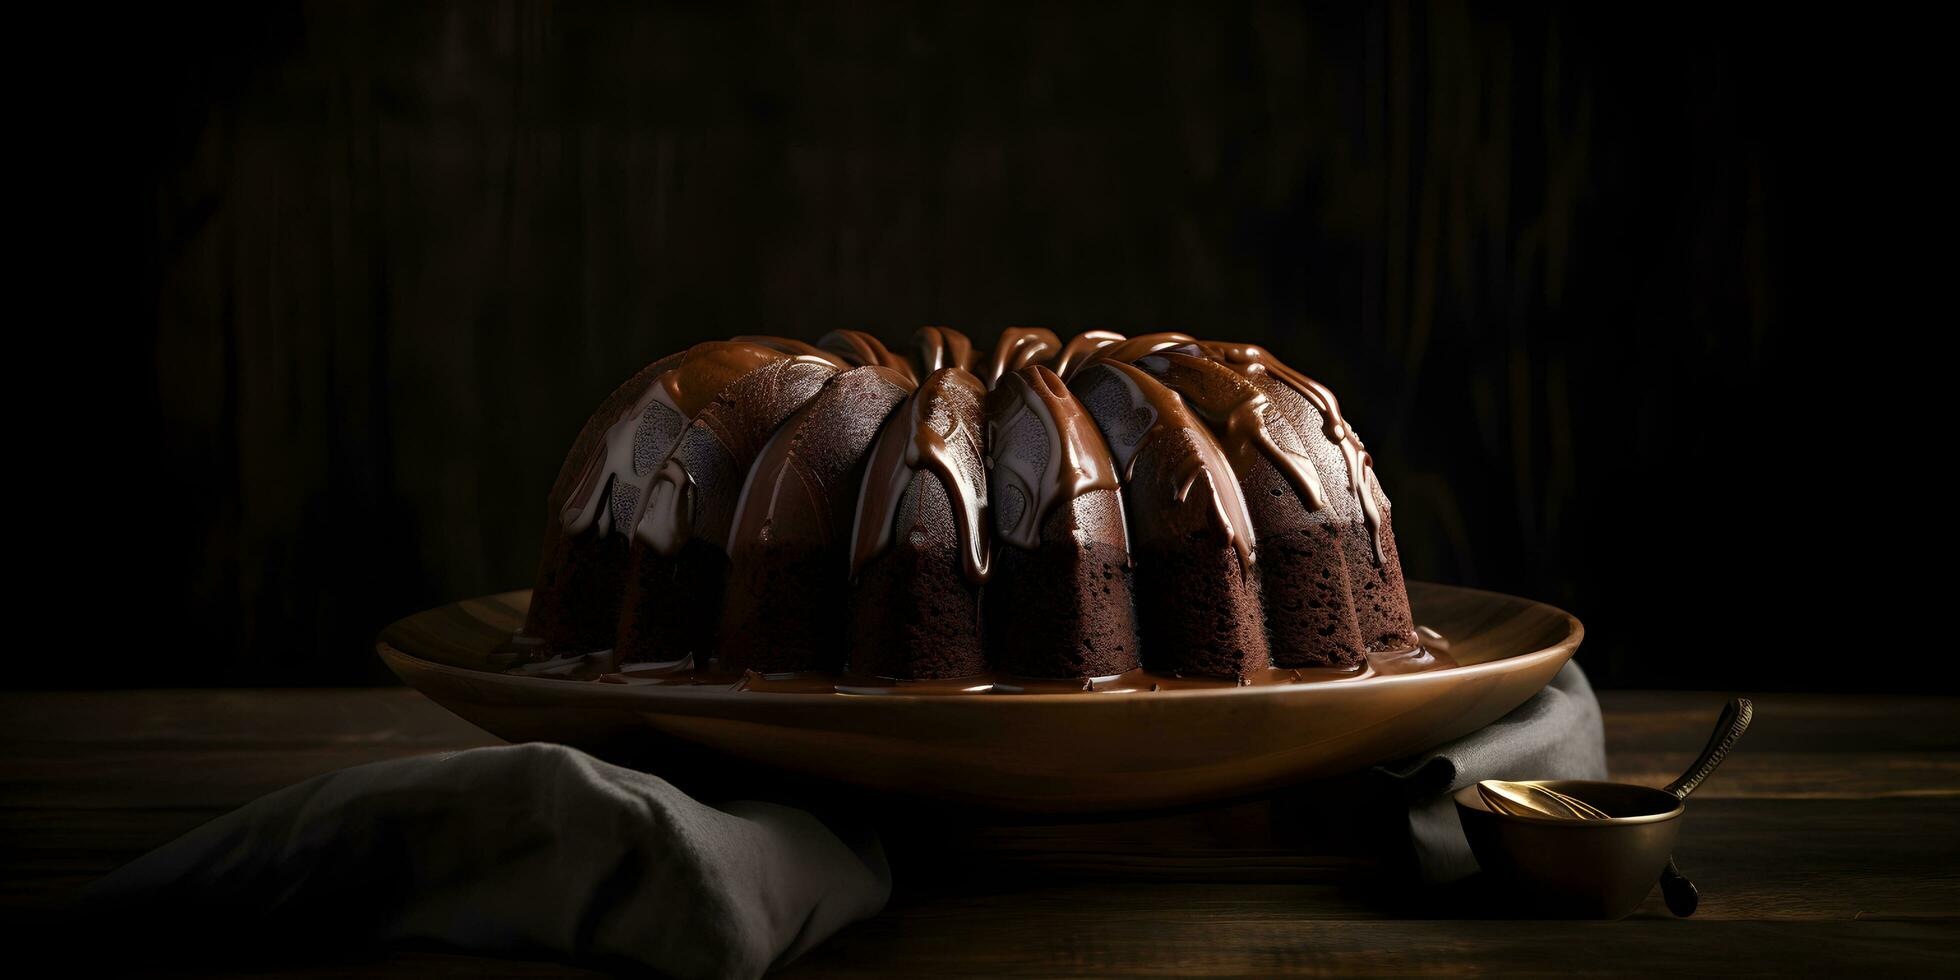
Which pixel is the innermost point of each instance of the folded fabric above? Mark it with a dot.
(522, 850)
(1557, 734)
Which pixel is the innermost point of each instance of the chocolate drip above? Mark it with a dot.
(668, 520)
(796, 347)
(723, 437)
(616, 481)
(861, 349)
(1081, 347)
(576, 597)
(1125, 351)
(776, 483)
(787, 545)
(943, 347)
(1250, 422)
(720, 480)
(934, 431)
(1248, 359)
(1021, 347)
(1043, 450)
(1152, 412)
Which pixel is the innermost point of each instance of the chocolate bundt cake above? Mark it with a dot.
(1159, 509)
(789, 543)
(920, 537)
(1062, 597)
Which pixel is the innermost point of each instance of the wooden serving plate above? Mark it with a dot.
(1029, 753)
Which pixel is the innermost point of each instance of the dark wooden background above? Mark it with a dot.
(382, 259)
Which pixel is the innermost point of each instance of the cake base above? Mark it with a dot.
(1027, 753)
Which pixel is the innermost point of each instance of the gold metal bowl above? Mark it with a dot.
(1577, 869)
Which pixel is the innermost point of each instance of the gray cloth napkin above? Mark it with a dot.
(1555, 735)
(531, 849)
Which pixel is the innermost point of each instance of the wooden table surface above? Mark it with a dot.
(1830, 842)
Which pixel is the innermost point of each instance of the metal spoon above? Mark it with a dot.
(1519, 799)
(1676, 889)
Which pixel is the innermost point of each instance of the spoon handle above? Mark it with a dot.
(1734, 721)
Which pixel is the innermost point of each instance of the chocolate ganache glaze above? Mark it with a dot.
(944, 347)
(1062, 545)
(583, 570)
(1248, 426)
(1125, 350)
(934, 432)
(1108, 515)
(1303, 577)
(1048, 452)
(1021, 347)
(860, 349)
(798, 347)
(1251, 360)
(789, 539)
(1080, 348)
(922, 536)
(1197, 593)
(1374, 567)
